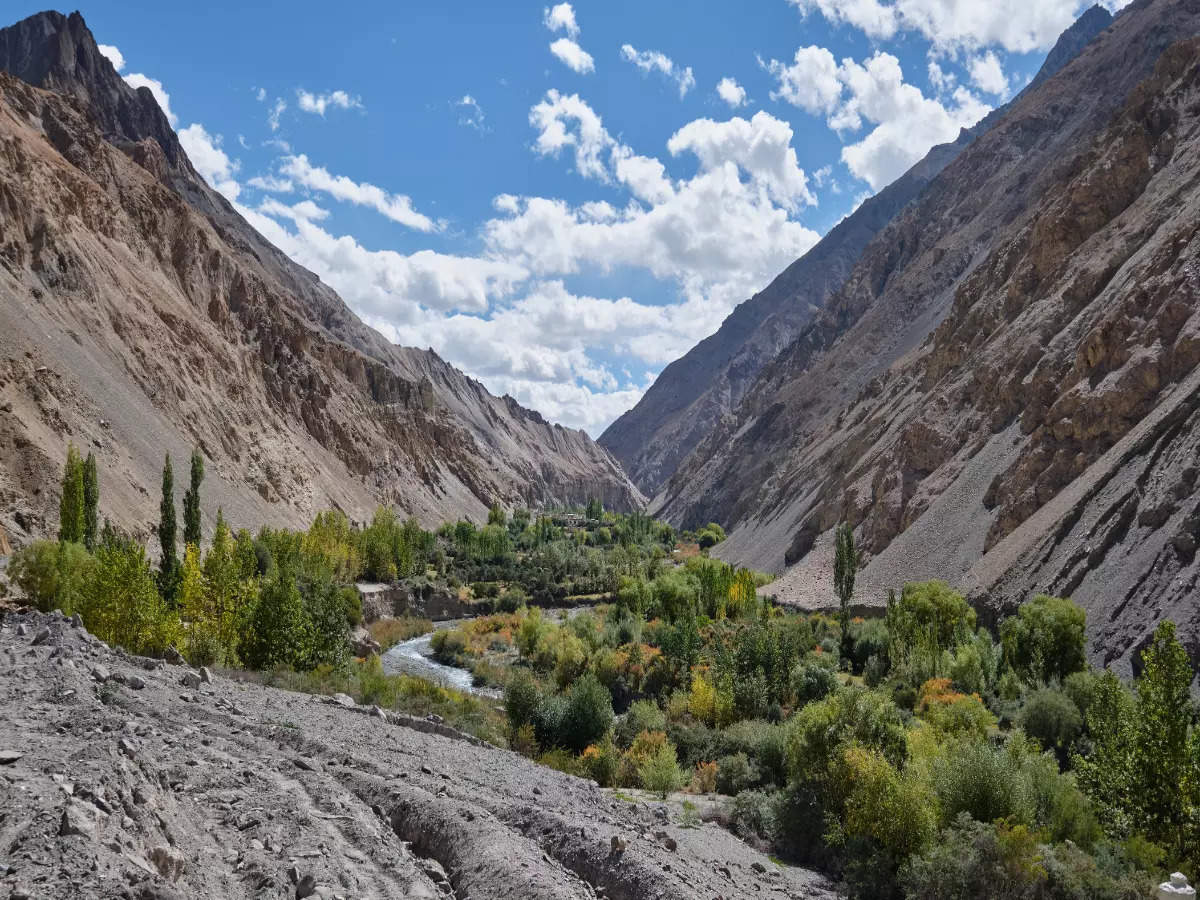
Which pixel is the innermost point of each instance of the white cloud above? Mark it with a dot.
(113, 55)
(271, 183)
(1016, 25)
(561, 18)
(318, 103)
(941, 80)
(761, 147)
(987, 74)
(573, 56)
(731, 92)
(811, 82)
(470, 113)
(305, 209)
(396, 207)
(260, 94)
(137, 80)
(277, 110)
(822, 175)
(213, 164)
(655, 61)
(851, 95)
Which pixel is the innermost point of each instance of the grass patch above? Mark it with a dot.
(390, 632)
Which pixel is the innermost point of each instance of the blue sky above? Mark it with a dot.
(562, 199)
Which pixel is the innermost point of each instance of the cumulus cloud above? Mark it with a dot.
(1016, 25)
(852, 95)
(277, 110)
(113, 55)
(987, 74)
(573, 56)
(319, 103)
(655, 61)
(213, 163)
(396, 207)
(561, 18)
(731, 92)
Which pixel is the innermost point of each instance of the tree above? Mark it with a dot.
(845, 567)
(168, 567)
(1162, 769)
(70, 508)
(595, 509)
(1045, 639)
(496, 515)
(278, 632)
(121, 603)
(191, 502)
(91, 502)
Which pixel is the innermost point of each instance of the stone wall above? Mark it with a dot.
(429, 601)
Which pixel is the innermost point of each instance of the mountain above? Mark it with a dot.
(696, 392)
(140, 314)
(1004, 391)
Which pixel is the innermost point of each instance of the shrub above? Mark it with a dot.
(511, 600)
(821, 730)
(1053, 719)
(812, 681)
(927, 620)
(735, 773)
(753, 816)
(983, 781)
(660, 772)
(1045, 639)
(643, 715)
(704, 778)
(891, 808)
(548, 720)
(521, 700)
(588, 714)
(52, 574)
(600, 762)
(121, 605)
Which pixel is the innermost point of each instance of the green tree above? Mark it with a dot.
(191, 502)
(168, 566)
(91, 502)
(51, 574)
(595, 509)
(121, 604)
(845, 567)
(70, 507)
(496, 515)
(1106, 774)
(278, 632)
(1045, 639)
(1162, 769)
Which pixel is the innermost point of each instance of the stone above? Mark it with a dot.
(77, 620)
(190, 680)
(79, 817)
(100, 673)
(618, 844)
(1177, 887)
(42, 637)
(174, 657)
(379, 713)
(135, 682)
(342, 700)
(8, 757)
(307, 764)
(169, 862)
(205, 675)
(127, 748)
(758, 867)
(22, 630)
(306, 887)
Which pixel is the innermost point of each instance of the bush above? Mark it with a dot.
(753, 816)
(1045, 639)
(548, 720)
(812, 681)
(983, 781)
(521, 700)
(600, 762)
(892, 809)
(704, 778)
(1053, 719)
(643, 715)
(511, 600)
(735, 773)
(588, 714)
(52, 575)
(660, 773)
(821, 730)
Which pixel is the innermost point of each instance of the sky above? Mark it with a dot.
(562, 199)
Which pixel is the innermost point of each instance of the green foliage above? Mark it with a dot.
(660, 772)
(894, 809)
(821, 731)
(52, 574)
(71, 505)
(710, 535)
(521, 700)
(1052, 718)
(845, 568)
(91, 503)
(736, 773)
(928, 621)
(588, 714)
(168, 567)
(279, 632)
(643, 715)
(812, 680)
(1045, 640)
(120, 603)
(191, 501)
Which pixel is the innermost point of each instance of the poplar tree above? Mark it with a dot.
(191, 502)
(168, 568)
(91, 503)
(845, 566)
(70, 508)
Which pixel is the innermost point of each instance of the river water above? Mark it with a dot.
(415, 657)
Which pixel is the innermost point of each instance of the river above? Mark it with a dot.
(415, 657)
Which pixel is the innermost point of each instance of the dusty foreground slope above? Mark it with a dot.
(166, 791)
(140, 313)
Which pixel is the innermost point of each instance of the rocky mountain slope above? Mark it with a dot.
(139, 314)
(694, 394)
(1004, 391)
(119, 781)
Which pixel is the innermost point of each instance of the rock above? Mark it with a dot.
(8, 757)
(79, 817)
(42, 637)
(618, 845)
(307, 764)
(135, 682)
(77, 620)
(205, 675)
(100, 673)
(362, 644)
(379, 713)
(342, 700)
(306, 887)
(1176, 888)
(127, 748)
(758, 867)
(426, 770)
(169, 862)
(22, 630)
(190, 680)
(174, 657)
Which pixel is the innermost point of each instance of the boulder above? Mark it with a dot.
(169, 862)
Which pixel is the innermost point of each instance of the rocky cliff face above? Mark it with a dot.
(695, 395)
(141, 314)
(1004, 391)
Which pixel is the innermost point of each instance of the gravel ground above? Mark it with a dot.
(126, 777)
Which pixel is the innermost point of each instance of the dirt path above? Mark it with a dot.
(229, 790)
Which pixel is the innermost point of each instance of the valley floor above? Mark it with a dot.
(119, 780)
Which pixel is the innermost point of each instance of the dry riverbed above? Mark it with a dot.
(122, 777)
